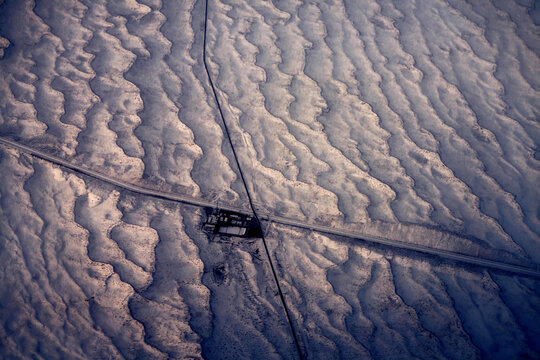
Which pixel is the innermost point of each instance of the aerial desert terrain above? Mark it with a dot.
(389, 149)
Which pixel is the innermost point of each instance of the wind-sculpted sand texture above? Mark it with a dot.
(353, 301)
(89, 271)
(421, 112)
(118, 87)
(414, 121)
(345, 113)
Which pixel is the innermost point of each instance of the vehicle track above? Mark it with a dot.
(111, 180)
(267, 251)
(445, 254)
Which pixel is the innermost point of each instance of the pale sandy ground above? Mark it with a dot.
(412, 120)
(89, 271)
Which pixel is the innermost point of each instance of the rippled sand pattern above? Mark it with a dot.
(410, 120)
(92, 272)
(89, 271)
(342, 113)
(357, 302)
(424, 112)
(118, 87)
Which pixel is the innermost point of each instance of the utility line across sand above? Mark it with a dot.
(267, 251)
(492, 264)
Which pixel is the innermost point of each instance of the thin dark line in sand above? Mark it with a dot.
(274, 273)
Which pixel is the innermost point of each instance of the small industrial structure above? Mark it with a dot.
(230, 223)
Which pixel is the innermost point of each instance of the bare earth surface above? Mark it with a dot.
(415, 121)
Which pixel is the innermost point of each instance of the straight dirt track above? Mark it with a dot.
(491, 264)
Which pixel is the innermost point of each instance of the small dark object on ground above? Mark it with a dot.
(231, 223)
(220, 273)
